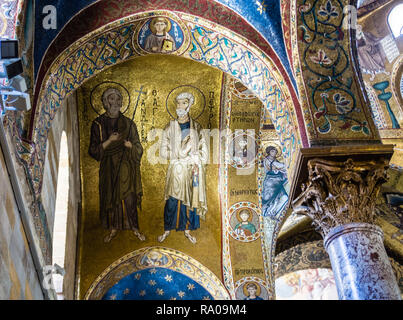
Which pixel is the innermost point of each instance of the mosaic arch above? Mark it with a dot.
(117, 42)
(253, 21)
(204, 42)
(157, 273)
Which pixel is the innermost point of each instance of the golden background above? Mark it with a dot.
(94, 254)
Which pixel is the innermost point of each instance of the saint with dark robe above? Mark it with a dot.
(115, 144)
(184, 145)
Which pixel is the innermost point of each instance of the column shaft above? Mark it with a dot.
(360, 264)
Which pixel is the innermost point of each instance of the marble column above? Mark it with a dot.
(340, 199)
(360, 264)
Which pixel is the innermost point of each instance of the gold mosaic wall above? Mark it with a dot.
(94, 254)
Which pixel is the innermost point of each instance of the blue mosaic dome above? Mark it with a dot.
(157, 284)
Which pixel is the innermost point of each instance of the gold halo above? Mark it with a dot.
(99, 89)
(196, 109)
(152, 28)
(258, 290)
(242, 209)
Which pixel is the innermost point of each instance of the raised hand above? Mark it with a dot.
(114, 137)
(128, 144)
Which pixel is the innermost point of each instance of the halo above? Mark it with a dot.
(242, 209)
(99, 89)
(152, 28)
(258, 290)
(275, 145)
(196, 109)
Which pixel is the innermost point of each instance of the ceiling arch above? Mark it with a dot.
(111, 44)
(260, 24)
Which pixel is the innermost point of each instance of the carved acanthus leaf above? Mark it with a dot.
(339, 193)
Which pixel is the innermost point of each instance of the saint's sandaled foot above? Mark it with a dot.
(139, 235)
(110, 236)
(162, 237)
(190, 237)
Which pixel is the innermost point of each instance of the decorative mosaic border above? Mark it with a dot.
(223, 185)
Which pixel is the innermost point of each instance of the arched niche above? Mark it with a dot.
(178, 276)
(204, 42)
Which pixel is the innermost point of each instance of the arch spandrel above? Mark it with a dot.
(335, 110)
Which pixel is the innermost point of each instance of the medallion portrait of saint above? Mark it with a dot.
(115, 144)
(160, 41)
(242, 150)
(184, 146)
(251, 288)
(154, 259)
(251, 291)
(245, 228)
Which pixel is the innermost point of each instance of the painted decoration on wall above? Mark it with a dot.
(244, 221)
(162, 35)
(309, 284)
(156, 273)
(244, 253)
(376, 109)
(251, 288)
(98, 51)
(274, 194)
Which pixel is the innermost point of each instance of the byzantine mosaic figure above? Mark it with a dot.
(160, 41)
(184, 145)
(370, 53)
(245, 228)
(115, 144)
(274, 195)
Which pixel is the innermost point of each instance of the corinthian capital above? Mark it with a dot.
(338, 193)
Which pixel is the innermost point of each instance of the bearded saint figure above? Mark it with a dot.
(184, 145)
